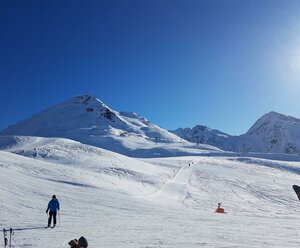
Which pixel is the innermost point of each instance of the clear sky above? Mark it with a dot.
(220, 63)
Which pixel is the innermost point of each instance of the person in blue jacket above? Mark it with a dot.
(53, 206)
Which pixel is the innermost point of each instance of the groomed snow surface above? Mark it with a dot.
(117, 201)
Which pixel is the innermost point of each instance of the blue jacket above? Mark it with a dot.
(53, 205)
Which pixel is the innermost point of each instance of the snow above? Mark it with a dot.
(117, 201)
(122, 181)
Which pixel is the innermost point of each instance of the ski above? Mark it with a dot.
(46, 227)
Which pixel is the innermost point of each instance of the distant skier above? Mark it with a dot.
(53, 206)
(219, 209)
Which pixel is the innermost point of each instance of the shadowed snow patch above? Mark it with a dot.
(72, 183)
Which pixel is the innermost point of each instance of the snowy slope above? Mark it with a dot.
(68, 152)
(116, 201)
(88, 120)
(35, 146)
(272, 133)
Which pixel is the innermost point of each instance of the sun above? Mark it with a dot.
(288, 65)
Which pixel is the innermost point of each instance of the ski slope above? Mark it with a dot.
(117, 201)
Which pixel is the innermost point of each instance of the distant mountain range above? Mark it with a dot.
(88, 120)
(272, 133)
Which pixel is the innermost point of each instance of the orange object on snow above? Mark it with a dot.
(219, 209)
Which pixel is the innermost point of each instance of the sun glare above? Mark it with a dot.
(289, 69)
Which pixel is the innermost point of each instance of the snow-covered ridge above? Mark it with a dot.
(87, 112)
(69, 152)
(272, 133)
(88, 120)
(202, 134)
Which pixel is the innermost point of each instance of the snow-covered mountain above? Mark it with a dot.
(272, 133)
(204, 135)
(88, 120)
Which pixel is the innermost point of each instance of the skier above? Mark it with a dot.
(53, 206)
(219, 209)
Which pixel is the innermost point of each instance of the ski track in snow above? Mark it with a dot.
(116, 201)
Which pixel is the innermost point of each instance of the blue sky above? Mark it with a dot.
(220, 63)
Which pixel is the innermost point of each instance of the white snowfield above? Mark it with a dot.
(120, 202)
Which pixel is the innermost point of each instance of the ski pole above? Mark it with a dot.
(10, 234)
(58, 217)
(5, 238)
(48, 214)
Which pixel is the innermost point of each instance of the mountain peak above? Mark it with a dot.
(270, 120)
(85, 100)
(86, 119)
(272, 115)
